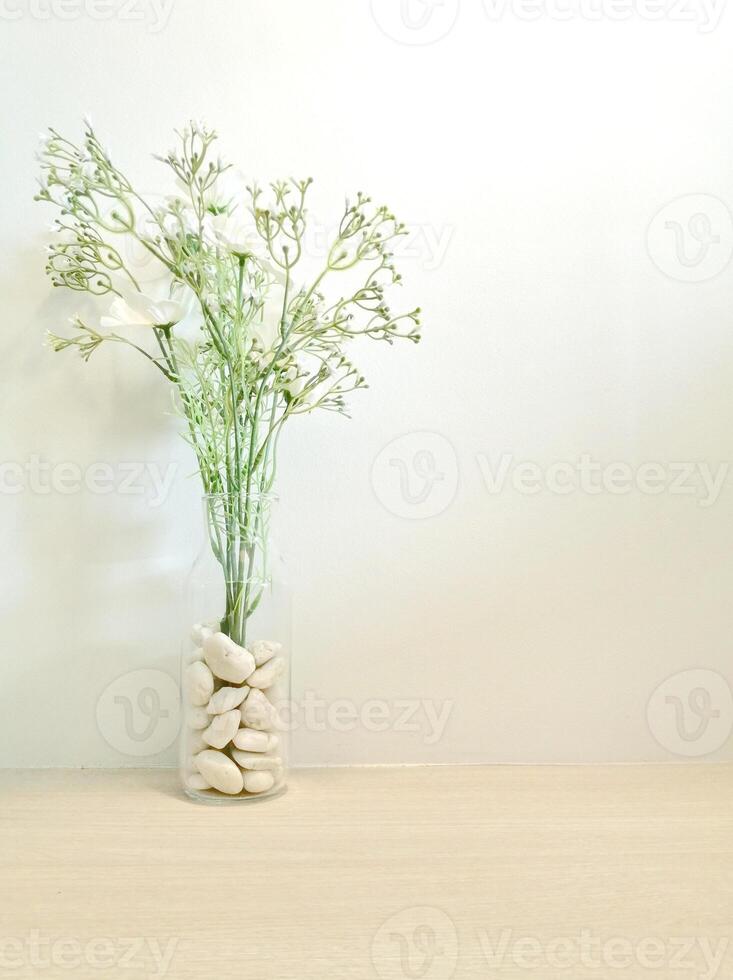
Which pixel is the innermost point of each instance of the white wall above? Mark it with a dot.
(536, 152)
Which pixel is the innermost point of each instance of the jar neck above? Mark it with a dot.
(246, 516)
(238, 533)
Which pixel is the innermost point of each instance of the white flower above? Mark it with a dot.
(266, 332)
(230, 231)
(214, 198)
(296, 382)
(144, 312)
(267, 335)
(303, 373)
(152, 309)
(81, 174)
(179, 219)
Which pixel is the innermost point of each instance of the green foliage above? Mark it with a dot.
(267, 347)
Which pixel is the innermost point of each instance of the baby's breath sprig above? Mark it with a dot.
(212, 274)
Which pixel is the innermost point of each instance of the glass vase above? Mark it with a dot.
(235, 664)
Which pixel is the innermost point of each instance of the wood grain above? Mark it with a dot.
(301, 887)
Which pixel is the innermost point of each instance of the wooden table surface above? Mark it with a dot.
(371, 873)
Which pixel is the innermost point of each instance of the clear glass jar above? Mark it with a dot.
(235, 664)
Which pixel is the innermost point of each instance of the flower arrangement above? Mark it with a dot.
(222, 312)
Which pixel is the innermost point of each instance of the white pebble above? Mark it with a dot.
(198, 719)
(195, 743)
(194, 655)
(222, 729)
(199, 683)
(220, 772)
(250, 740)
(258, 712)
(258, 782)
(255, 761)
(264, 650)
(227, 660)
(199, 632)
(225, 699)
(266, 675)
(197, 781)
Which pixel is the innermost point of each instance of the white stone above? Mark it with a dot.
(225, 699)
(250, 740)
(220, 772)
(256, 761)
(264, 650)
(197, 781)
(227, 660)
(199, 632)
(222, 729)
(198, 718)
(195, 743)
(266, 675)
(258, 712)
(258, 782)
(199, 683)
(194, 655)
